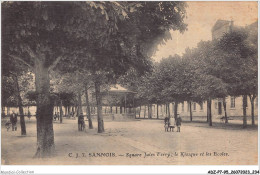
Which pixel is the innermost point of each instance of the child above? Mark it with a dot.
(166, 123)
(178, 123)
(7, 125)
(55, 116)
(172, 124)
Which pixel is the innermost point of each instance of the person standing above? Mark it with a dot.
(13, 120)
(29, 115)
(80, 122)
(55, 116)
(166, 123)
(178, 123)
(58, 115)
(172, 124)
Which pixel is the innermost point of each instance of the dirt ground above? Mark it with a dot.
(136, 142)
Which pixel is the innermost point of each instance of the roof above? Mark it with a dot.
(219, 24)
(119, 89)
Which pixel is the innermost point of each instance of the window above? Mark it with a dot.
(216, 105)
(188, 107)
(182, 107)
(194, 106)
(232, 102)
(246, 102)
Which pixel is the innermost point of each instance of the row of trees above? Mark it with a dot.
(214, 69)
(99, 39)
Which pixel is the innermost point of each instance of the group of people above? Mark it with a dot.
(72, 115)
(56, 116)
(170, 123)
(81, 122)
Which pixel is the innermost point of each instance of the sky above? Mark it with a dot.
(201, 16)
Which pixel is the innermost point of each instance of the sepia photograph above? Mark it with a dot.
(129, 83)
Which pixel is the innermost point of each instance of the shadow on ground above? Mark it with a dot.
(220, 125)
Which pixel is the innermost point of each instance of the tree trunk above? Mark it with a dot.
(8, 111)
(252, 100)
(225, 109)
(45, 135)
(57, 109)
(90, 125)
(79, 103)
(153, 110)
(140, 111)
(20, 105)
(175, 109)
(144, 111)
(69, 111)
(150, 111)
(66, 111)
(244, 111)
(157, 111)
(169, 113)
(135, 111)
(190, 111)
(3, 112)
(99, 108)
(73, 110)
(161, 106)
(209, 111)
(121, 109)
(61, 111)
(76, 111)
(166, 111)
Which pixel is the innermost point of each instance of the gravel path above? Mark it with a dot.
(137, 142)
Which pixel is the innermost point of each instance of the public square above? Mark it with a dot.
(135, 138)
(99, 82)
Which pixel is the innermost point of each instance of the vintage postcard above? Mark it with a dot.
(129, 83)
